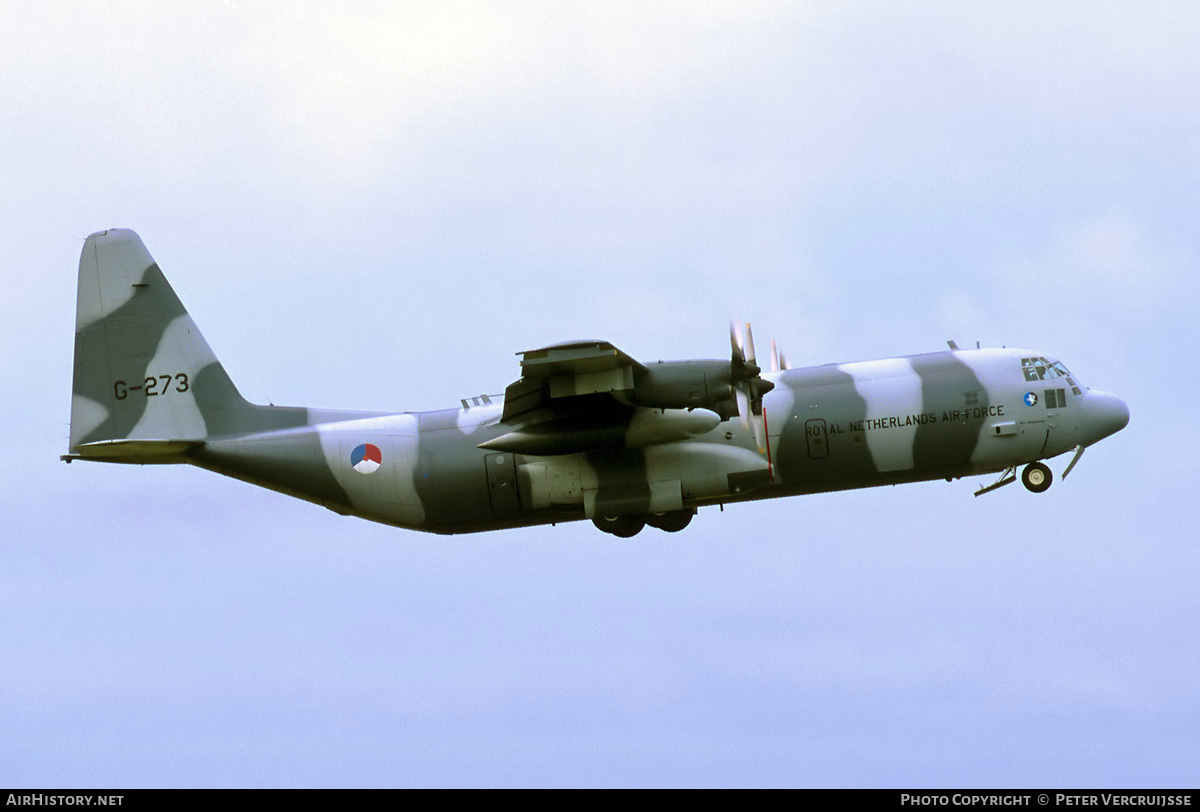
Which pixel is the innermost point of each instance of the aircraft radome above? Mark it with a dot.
(586, 432)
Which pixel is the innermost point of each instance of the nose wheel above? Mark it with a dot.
(1036, 477)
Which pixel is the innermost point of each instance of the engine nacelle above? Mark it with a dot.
(575, 435)
(686, 385)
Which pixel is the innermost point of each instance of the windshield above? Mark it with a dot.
(1040, 368)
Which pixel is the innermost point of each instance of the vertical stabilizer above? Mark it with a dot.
(145, 382)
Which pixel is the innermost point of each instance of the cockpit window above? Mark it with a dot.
(1040, 368)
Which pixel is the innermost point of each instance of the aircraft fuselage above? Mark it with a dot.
(831, 427)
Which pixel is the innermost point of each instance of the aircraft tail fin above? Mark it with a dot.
(146, 386)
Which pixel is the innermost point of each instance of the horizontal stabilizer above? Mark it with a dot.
(133, 451)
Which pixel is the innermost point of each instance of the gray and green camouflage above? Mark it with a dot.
(586, 432)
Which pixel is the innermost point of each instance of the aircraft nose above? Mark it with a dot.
(1102, 414)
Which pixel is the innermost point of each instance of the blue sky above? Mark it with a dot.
(376, 205)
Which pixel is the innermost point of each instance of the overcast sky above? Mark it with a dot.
(375, 205)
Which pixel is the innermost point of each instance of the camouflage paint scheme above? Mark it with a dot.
(147, 389)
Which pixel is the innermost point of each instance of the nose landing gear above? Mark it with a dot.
(1036, 477)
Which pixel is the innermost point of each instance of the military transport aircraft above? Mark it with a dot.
(585, 432)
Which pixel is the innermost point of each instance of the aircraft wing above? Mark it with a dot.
(555, 380)
(585, 396)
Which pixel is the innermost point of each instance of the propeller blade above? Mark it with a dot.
(760, 432)
(775, 361)
(735, 346)
(746, 380)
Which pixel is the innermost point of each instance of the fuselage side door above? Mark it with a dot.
(817, 435)
(502, 484)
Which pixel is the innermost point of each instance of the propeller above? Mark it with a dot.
(778, 361)
(748, 384)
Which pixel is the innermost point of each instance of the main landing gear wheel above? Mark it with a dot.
(620, 526)
(672, 521)
(1036, 477)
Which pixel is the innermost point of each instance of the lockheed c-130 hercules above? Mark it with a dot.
(586, 432)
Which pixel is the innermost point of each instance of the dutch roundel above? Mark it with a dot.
(366, 459)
